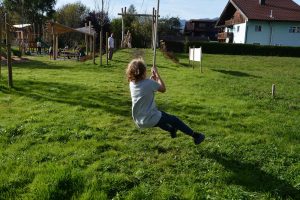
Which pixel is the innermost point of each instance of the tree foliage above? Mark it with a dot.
(96, 20)
(141, 27)
(31, 11)
(72, 14)
(169, 26)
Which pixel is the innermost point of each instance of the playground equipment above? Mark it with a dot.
(155, 15)
(55, 29)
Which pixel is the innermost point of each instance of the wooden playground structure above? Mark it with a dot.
(155, 15)
(54, 30)
(26, 37)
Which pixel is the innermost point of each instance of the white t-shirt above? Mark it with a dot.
(111, 42)
(144, 111)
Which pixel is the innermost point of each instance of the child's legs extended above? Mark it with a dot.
(172, 123)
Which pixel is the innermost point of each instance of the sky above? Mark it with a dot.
(184, 9)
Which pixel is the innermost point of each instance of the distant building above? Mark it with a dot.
(264, 22)
(202, 28)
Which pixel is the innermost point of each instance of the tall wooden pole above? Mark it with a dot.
(101, 33)
(90, 38)
(0, 47)
(34, 35)
(101, 41)
(122, 42)
(153, 26)
(53, 43)
(56, 46)
(8, 44)
(155, 36)
(86, 40)
(107, 48)
(94, 48)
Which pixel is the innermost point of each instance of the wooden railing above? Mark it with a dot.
(224, 35)
(234, 21)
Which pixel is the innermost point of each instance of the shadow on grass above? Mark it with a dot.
(253, 178)
(34, 64)
(74, 95)
(235, 73)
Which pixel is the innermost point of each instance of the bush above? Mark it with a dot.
(16, 52)
(235, 49)
(3, 54)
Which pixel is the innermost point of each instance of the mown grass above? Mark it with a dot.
(66, 131)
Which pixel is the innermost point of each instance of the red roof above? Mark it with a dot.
(281, 10)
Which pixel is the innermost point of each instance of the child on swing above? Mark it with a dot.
(144, 111)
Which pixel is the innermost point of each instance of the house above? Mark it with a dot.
(202, 28)
(263, 22)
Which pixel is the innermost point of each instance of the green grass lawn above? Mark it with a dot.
(66, 131)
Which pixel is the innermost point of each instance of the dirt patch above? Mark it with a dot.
(14, 59)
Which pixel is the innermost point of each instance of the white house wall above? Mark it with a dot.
(272, 33)
(239, 33)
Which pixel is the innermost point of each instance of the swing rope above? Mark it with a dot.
(155, 34)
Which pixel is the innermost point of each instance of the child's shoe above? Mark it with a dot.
(198, 138)
(173, 133)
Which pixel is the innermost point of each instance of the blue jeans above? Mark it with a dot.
(171, 124)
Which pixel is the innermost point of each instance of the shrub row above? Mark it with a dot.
(15, 52)
(234, 49)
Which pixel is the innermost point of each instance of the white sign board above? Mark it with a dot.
(195, 54)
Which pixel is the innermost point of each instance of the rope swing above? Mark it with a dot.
(155, 34)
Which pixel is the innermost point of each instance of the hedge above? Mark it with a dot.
(234, 49)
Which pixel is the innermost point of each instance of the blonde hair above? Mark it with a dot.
(136, 70)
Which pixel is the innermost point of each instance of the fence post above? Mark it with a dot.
(8, 43)
(273, 91)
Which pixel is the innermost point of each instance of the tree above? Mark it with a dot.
(71, 15)
(33, 11)
(116, 28)
(141, 27)
(95, 17)
(169, 26)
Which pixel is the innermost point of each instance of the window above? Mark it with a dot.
(294, 29)
(257, 28)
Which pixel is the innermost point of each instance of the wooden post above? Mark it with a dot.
(34, 36)
(153, 26)
(101, 41)
(107, 48)
(273, 91)
(91, 38)
(53, 43)
(86, 40)
(38, 31)
(122, 42)
(56, 45)
(193, 56)
(0, 47)
(201, 60)
(155, 36)
(22, 42)
(8, 44)
(189, 55)
(94, 49)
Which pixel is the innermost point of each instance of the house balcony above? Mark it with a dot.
(223, 36)
(232, 22)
